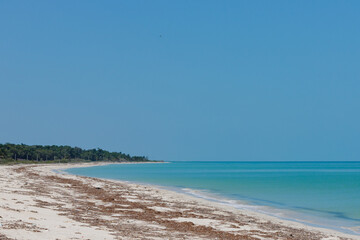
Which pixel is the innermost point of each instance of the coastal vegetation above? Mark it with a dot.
(21, 153)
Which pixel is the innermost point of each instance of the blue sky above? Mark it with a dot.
(184, 80)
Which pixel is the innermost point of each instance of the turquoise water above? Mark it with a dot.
(318, 193)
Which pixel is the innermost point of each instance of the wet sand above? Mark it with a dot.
(38, 203)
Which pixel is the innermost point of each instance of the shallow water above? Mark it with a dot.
(318, 193)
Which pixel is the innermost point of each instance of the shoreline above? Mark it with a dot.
(289, 215)
(96, 207)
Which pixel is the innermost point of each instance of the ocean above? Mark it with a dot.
(323, 194)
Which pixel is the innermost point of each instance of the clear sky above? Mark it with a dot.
(184, 80)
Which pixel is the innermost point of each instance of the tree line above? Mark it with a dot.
(22, 152)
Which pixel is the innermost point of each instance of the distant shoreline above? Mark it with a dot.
(22, 153)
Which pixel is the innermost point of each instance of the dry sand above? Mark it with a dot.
(37, 203)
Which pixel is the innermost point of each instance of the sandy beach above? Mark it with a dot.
(38, 203)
